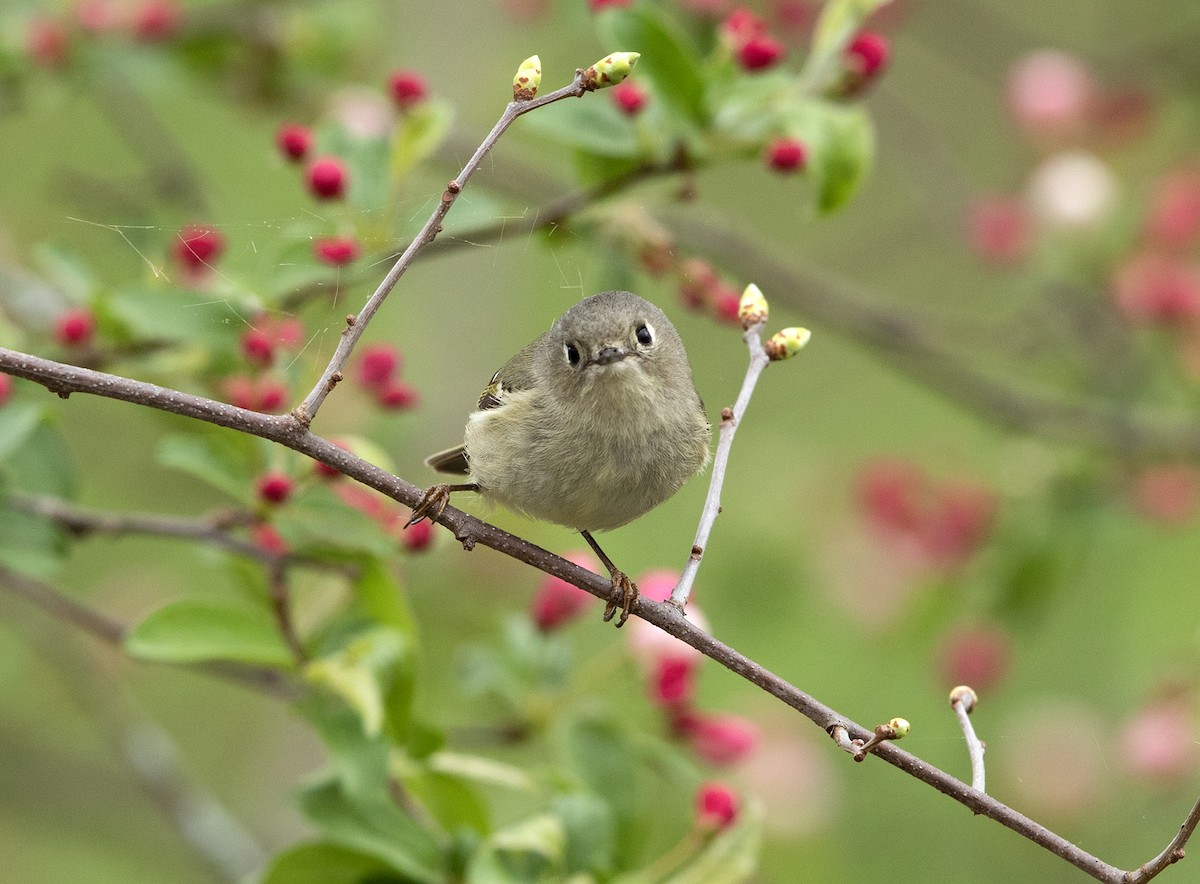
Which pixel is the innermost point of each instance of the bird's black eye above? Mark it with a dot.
(644, 335)
(572, 354)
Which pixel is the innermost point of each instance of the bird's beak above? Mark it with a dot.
(609, 355)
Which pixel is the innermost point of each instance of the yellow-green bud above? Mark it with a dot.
(900, 728)
(787, 343)
(965, 695)
(610, 70)
(752, 308)
(528, 79)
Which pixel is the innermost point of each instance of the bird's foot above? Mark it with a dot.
(624, 594)
(432, 505)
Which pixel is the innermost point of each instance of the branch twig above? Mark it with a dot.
(963, 700)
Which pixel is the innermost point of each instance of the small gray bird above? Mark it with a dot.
(590, 426)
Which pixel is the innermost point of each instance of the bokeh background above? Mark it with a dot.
(1071, 601)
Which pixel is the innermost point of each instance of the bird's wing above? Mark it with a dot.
(517, 374)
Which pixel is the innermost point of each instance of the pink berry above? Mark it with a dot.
(1167, 493)
(629, 97)
(959, 520)
(673, 683)
(558, 602)
(258, 346)
(274, 487)
(272, 396)
(156, 20)
(868, 54)
(47, 42)
(417, 537)
(597, 5)
(327, 178)
(1158, 289)
(240, 392)
(786, 155)
(408, 88)
(378, 365)
(1158, 743)
(726, 302)
(75, 327)
(197, 246)
(1174, 216)
(740, 26)
(398, 396)
(96, 16)
(892, 494)
(716, 806)
(1050, 94)
(760, 53)
(6, 388)
(336, 250)
(294, 141)
(978, 656)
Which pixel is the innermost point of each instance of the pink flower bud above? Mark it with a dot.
(958, 522)
(716, 807)
(999, 229)
(891, 494)
(274, 487)
(718, 739)
(397, 396)
(1158, 743)
(75, 327)
(868, 54)
(294, 141)
(197, 246)
(6, 388)
(327, 178)
(760, 53)
(740, 26)
(1050, 95)
(267, 538)
(1167, 493)
(597, 5)
(629, 97)
(156, 20)
(417, 537)
(258, 346)
(558, 602)
(377, 365)
(1174, 217)
(727, 305)
(272, 396)
(786, 155)
(408, 89)
(96, 16)
(977, 656)
(47, 42)
(673, 683)
(336, 250)
(1153, 288)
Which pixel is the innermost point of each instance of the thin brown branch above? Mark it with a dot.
(470, 531)
(112, 632)
(1171, 854)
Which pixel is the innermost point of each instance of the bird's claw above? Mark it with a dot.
(432, 505)
(628, 592)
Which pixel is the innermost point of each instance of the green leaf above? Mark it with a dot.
(18, 421)
(528, 852)
(222, 461)
(454, 802)
(66, 271)
(590, 124)
(320, 862)
(190, 631)
(591, 834)
(669, 60)
(366, 674)
(846, 157)
(163, 313)
(375, 827)
(383, 598)
(419, 133)
(317, 522)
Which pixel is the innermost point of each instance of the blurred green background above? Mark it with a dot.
(1114, 623)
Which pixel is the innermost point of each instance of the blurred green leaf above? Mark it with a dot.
(454, 802)
(843, 163)
(375, 827)
(730, 857)
(164, 313)
(839, 21)
(591, 834)
(383, 598)
(323, 863)
(590, 124)
(669, 59)
(365, 674)
(18, 421)
(528, 852)
(66, 271)
(418, 134)
(33, 458)
(317, 522)
(220, 460)
(190, 631)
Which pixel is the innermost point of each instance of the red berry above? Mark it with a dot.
(294, 141)
(258, 346)
(398, 396)
(999, 229)
(47, 42)
(786, 155)
(719, 739)
(6, 387)
(336, 250)
(378, 365)
(417, 537)
(868, 54)
(1159, 289)
(157, 20)
(673, 683)
(716, 806)
(198, 246)
(760, 53)
(274, 487)
(75, 327)
(629, 97)
(408, 88)
(726, 302)
(327, 178)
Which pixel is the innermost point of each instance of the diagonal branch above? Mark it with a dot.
(470, 531)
